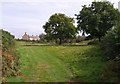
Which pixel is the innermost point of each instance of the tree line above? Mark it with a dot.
(99, 20)
(95, 19)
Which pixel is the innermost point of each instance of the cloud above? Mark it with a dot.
(40, 1)
(19, 16)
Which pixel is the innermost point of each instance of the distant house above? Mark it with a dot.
(28, 37)
(25, 37)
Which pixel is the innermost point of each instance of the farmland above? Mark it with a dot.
(47, 63)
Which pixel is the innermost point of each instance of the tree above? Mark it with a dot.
(42, 38)
(97, 18)
(60, 27)
(111, 42)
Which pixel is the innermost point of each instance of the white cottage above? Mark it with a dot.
(28, 37)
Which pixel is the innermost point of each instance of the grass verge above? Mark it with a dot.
(59, 63)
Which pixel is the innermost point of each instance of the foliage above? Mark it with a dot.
(60, 27)
(9, 55)
(111, 43)
(93, 42)
(88, 37)
(7, 40)
(42, 38)
(79, 39)
(97, 18)
(111, 73)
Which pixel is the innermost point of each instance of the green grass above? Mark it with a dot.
(59, 63)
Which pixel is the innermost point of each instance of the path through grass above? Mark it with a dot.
(59, 63)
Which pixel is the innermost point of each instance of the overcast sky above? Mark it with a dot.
(19, 16)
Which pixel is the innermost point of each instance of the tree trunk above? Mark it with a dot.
(99, 39)
(60, 42)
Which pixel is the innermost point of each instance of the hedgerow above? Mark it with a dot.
(10, 64)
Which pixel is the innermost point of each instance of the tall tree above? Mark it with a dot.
(111, 42)
(60, 27)
(97, 18)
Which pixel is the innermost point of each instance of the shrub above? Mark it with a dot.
(89, 37)
(80, 39)
(9, 55)
(111, 43)
(93, 42)
(7, 40)
(111, 73)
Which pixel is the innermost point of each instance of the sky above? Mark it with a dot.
(20, 16)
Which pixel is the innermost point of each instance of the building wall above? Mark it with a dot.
(27, 37)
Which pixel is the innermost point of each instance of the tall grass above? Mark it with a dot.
(59, 63)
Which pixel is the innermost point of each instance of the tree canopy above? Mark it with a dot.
(111, 42)
(60, 27)
(97, 18)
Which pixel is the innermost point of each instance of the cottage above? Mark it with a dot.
(28, 37)
(25, 36)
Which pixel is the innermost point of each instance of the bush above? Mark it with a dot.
(7, 40)
(89, 37)
(111, 47)
(80, 39)
(93, 42)
(111, 43)
(10, 57)
(111, 73)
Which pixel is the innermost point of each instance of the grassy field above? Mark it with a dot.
(59, 63)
